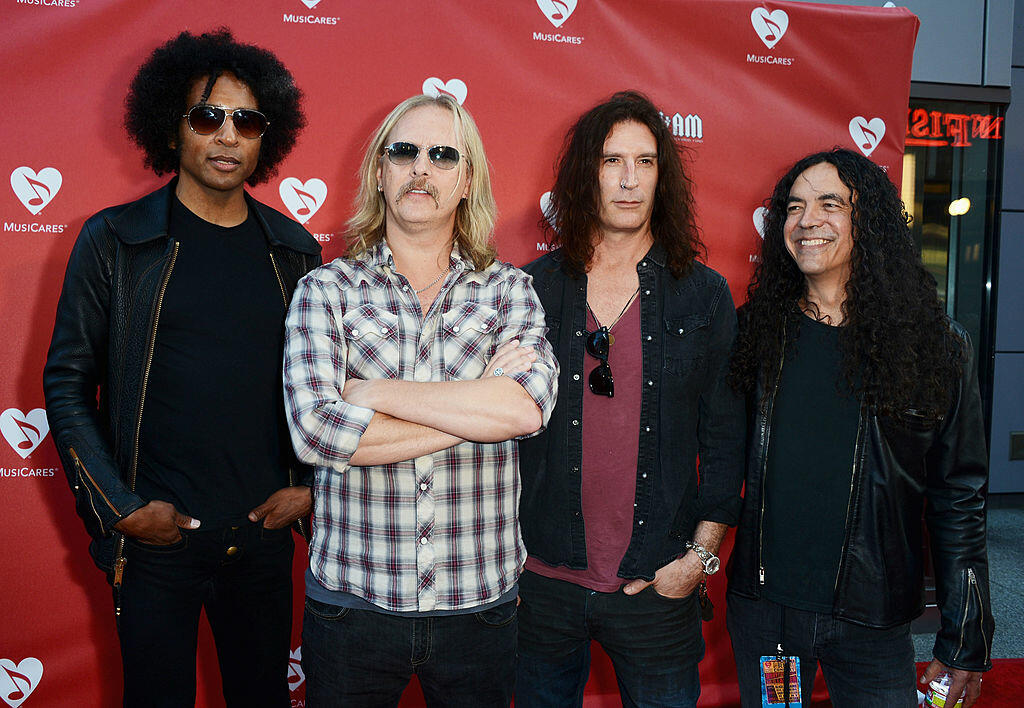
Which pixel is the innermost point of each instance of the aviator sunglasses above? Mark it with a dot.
(206, 119)
(443, 157)
(598, 343)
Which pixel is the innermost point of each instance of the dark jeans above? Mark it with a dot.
(365, 659)
(242, 577)
(862, 666)
(654, 642)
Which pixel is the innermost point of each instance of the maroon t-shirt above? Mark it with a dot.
(611, 440)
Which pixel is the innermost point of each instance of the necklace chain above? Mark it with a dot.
(621, 313)
(434, 281)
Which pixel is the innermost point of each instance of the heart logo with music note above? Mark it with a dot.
(17, 681)
(770, 26)
(295, 673)
(547, 209)
(24, 431)
(759, 214)
(303, 200)
(867, 133)
(36, 190)
(456, 88)
(310, 3)
(557, 11)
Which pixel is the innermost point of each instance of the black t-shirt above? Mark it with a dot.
(212, 437)
(810, 467)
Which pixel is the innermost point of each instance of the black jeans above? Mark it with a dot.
(365, 659)
(862, 666)
(654, 642)
(242, 577)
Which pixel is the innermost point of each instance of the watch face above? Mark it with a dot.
(711, 567)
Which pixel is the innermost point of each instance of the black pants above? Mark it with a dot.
(241, 575)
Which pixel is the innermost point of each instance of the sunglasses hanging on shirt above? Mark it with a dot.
(598, 345)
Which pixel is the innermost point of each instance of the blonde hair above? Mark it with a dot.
(474, 216)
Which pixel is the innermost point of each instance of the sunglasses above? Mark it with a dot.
(598, 343)
(444, 157)
(205, 119)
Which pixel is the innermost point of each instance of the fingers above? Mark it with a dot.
(932, 670)
(185, 522)
(632, 588)
(973, 690)
(511, 358)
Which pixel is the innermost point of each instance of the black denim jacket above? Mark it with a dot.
(687, 410)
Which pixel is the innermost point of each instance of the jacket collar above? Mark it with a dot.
(146, 219)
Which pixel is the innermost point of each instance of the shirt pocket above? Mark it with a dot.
(686, 343)
(467, 335)
(374, 346)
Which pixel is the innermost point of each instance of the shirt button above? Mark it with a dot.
(644, 475)
(575, 422)
(680, 330)
(640, 522)
(643, 263)
(575, 377)
(355, 333)
(455, 328)
(648, 337)
(423, 486)
(650, 383)
(383, 330)
(579, 333)
(647, 292)
(232, 550)
(423, 541)
(405, 288)
(635, 505)
(647, 428)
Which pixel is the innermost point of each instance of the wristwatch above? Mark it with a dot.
(709, 559)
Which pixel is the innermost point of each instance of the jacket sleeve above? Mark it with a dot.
(957, 480)
(721, 430)
(74, 371)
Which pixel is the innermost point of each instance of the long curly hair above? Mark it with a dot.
(159, 92)
(898, 351)
(576, 195)
(474, 217)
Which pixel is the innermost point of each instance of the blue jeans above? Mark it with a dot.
(654, 642)
(365, 659)
(862, 666)
(247, 595)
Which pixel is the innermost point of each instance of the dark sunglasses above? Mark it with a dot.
(444, 157)
(205, 119)
(598, 344)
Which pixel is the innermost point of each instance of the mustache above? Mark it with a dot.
(421, 184)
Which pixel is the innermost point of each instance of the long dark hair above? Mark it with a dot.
(575, 197)
(158, 94)
(898, 351)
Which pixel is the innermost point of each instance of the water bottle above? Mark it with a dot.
(938, 690)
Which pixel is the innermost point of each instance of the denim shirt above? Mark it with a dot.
(687, 410)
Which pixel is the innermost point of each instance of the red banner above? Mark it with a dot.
(747, 88)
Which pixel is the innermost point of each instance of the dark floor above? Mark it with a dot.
(1006, 579)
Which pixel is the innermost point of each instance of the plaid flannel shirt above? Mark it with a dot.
(439, 532)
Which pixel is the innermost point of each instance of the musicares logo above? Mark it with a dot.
(24, 431)
(770, 26)
(456, 88)
(295, 674)
(303, 200)
(36, 189)
(867, 133)
(557, 11)
(17, 681)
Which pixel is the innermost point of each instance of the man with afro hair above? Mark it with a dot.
(172, 311)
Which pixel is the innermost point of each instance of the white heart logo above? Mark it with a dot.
(557, 11)
(24, 431)
(867, 133)
(310, 3)
(303, 200)
(547, 209)
(36, 190)
(770, 26)
(295, 673)
(759, 214)
(455, 88)
(17, 681)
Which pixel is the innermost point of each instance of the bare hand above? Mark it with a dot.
(357, 392)
(677, 579)
(961, 679)
(283, 507)
(157, 523)
(511, 358)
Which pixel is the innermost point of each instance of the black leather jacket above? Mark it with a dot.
(103, 339)
(902, 470)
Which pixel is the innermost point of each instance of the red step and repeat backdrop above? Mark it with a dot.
(747, 87)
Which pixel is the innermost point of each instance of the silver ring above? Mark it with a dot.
(499, 371)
